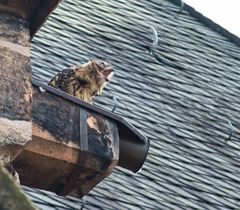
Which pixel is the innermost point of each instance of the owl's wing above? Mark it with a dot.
(63, 78)
(68, 81)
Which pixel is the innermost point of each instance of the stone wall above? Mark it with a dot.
(15, 86)
(11, 197)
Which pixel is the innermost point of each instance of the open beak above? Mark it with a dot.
(108, 73)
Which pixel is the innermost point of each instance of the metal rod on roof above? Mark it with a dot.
(231, 130)
(115, 103)
(154, 45)
(181, 6)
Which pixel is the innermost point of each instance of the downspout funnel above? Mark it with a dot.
(132, 154)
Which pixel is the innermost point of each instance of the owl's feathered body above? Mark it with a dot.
(84, 81)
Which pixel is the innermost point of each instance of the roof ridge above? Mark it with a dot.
(208, 22)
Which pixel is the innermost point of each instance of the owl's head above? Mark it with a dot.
(102, 71)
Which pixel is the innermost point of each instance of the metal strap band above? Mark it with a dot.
(82, 155)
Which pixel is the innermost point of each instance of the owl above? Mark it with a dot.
(84, 81)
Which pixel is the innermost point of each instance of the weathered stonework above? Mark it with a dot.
(14, 134)
(34, 12)
(21, 9)
(15, 86)
(71, 151)
(14, 30)
(11, 196)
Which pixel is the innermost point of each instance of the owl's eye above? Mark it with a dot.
(101, 65)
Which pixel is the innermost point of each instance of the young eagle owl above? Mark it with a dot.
(84, 81)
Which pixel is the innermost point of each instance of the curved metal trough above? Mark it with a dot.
(75, 145)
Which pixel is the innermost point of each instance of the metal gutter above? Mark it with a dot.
(91, 107)
(134, 145)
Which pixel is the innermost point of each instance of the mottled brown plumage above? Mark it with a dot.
(84, 81)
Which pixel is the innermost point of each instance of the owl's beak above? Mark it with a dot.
(108, 73)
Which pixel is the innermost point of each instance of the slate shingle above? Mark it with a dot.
(182, 104)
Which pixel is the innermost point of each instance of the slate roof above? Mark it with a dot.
(184, 101)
